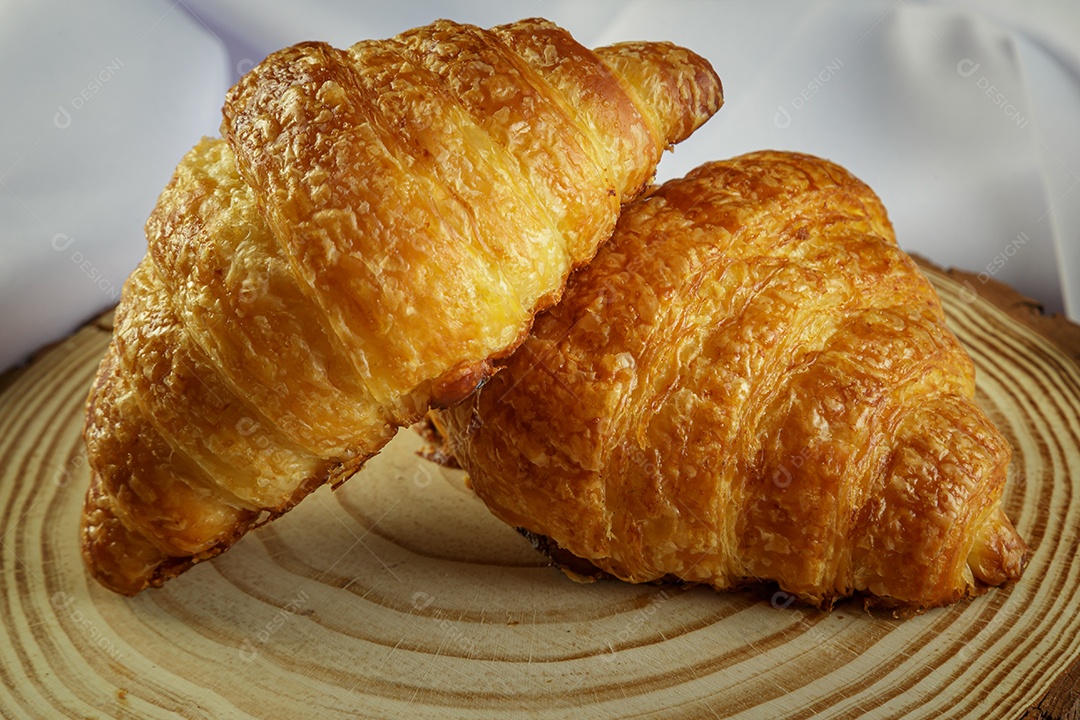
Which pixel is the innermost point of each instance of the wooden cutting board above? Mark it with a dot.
(400, 596)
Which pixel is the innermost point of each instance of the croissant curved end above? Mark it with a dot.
(667, 77)
(998, 555)
(125, 562)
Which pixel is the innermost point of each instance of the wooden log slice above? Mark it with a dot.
(399, 595)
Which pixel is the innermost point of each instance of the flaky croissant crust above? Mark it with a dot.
(751, 382)
(376, 225)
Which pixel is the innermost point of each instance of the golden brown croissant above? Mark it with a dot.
(376, 226)
(751, 381)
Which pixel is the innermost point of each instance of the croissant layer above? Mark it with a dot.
(376, 225)
(751, 382)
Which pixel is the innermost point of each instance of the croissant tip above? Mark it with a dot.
(117, 558)
(126, 560)
(679, 88)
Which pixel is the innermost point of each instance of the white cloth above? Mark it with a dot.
(101, 101)
(962, 116)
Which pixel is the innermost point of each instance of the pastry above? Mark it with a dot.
(376, 225)
(750, 383)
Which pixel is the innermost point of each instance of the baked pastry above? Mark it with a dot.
(376, 226)
(750, 382)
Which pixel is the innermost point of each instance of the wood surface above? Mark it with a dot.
(398, 595)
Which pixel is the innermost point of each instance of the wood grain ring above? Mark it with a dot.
(400, 596)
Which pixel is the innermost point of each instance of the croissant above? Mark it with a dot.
(375, 227)
(751, 382)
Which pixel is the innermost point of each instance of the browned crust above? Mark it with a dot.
(577, 416)
(391, 214)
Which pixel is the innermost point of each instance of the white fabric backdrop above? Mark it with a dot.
(963, 117)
